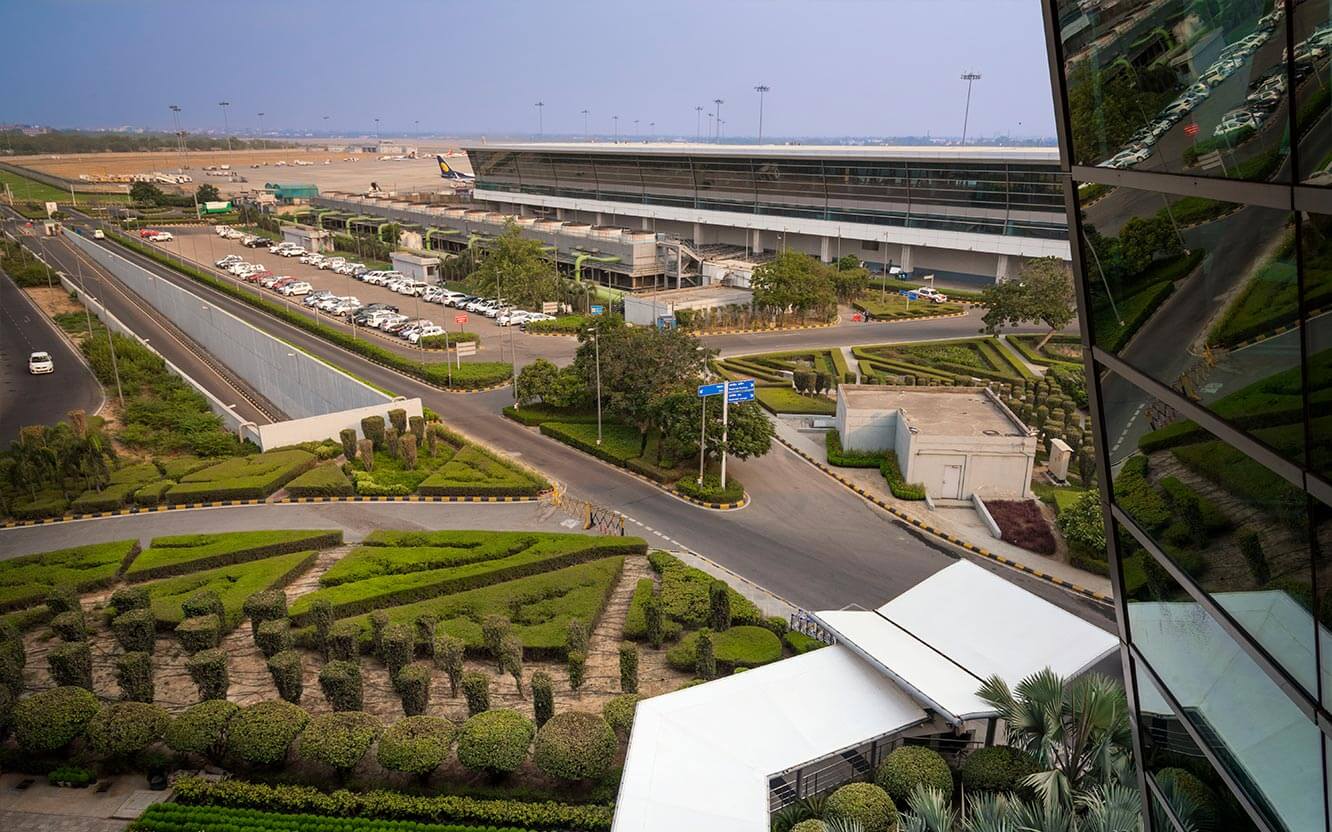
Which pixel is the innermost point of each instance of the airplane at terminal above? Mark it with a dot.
(447, 172)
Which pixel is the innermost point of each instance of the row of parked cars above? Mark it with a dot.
(1265, 93)
(154, 235)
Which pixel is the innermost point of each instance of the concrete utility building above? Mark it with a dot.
(960, 212)
(310, 239)
(956, 441)
(416, 266)
(648, 308)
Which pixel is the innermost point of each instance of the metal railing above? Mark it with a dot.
(604, 520)
(804, 622)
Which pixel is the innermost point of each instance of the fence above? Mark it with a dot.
(604, 520)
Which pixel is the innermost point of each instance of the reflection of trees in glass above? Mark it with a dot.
(1107, 106)
(1228, 14)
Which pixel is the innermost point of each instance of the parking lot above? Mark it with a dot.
(203, 246)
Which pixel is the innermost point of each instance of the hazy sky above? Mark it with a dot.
(836, 67)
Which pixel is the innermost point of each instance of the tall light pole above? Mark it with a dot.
(761, 89)
(261, 125)
(698, 129)
(969, 77)
(586, 132)
(652, 128)
(718, 102)
(175, 121)
(226, 129)
(540, 105)
(615, 129)
(378, 139)
(325, 124)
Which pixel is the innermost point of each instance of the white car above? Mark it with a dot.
(229, 260)
(428, 331)
(99, 234)
(533, 317)
(375, 278)
(345, 307)
(1236, 122)
(315, 297)
(391, 319)
(162, 237)
(512, 317)
(332, 263)
(932, 294)
(296, 288)
(40, 363)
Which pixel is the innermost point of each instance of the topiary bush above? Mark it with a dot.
(413, 686)
(321, 616)
(372, 428)
(911, 766)
(129, 598)
(134, 674)
(70, 626)
(274, 636)
(863, 803)
(126, 728)
(71, 664)
(476, 690)
(996, 769)
(62, 598)
(719, 606)
(629, 667)
(619, 712)
(265, 606)
(425, 632)
(288, 675)
(261, 733)
(495, 742)
(341, 683)
(810, 825)
(577, 664)
(379, 621)
(339, 740)
(202, 632)
(448, 655)
(416, 745)
(201, 728)
(575, 746)
(543, 698)
(204, 602)
(705, 661)
(208, 669)
(396, 647)
(48, 721)
(135, 630)
(343, 641)
(347, 437)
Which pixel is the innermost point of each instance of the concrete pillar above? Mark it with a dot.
(698, 233)
(1003, 271)
(559, 213)
(756, 243)
(647, 223)
(906, 263)
(522, 209)
(825, 250)
(601, 219)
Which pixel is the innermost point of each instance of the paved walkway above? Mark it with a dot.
(789, 428)
(37, 822)
(48, 808)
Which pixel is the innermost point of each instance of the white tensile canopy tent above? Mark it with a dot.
(700, 758)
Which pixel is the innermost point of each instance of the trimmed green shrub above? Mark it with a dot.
(629, 667)
(48, 721)
(810, 825)
(321, 617)
(71, 664)
(744, 646)
(863, 803)
(379, 620)
(413, 686)
(575, 746)
(134, 675)
(511, 660)
(476, 690)
(265, 606)
(398, 418)
(619, 712)
(339, 740)
(203, 632)
(344, 641)
(448, 657)
(347, 437)
(577, 665)
(341, 683)
(288, 675)
(396, 647)
(372, 428)
(274, 636)
(416, 745)
(425, 633)
(208, 669)
(127, 728)
(900, 488)
(184, 554)
(705, 662)
(321, 481)
(70, 626)
(719, 606)
(204, 602)
(801, 643)
(653, 625)
(911, 766)
(495, 742)
(261, 733)
(842, 458)
(543, 698)
(62, 598)
(684, 594)
(996, 769)
(75, 777)
(242, 478)
(576, 638)
(234, 583)
(128, 598)
(202, 728)
(494, 629)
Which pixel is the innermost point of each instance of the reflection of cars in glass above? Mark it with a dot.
(1126, 157)
(1235, 122)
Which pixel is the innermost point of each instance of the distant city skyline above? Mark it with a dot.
(833, 68)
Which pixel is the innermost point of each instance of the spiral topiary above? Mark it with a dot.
(495, 742)
(911, 766)
(575, 746)
(416, 745)
(863, 803)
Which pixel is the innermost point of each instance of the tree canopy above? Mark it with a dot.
(1043, 293)
(794, 281)
(517, 269)
(207, 192)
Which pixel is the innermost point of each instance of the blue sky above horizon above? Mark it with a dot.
(836, 67)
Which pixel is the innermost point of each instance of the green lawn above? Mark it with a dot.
(232, 583)
(24, 188)
(25, 581)
(958, 360)
(787, 400)
(179, 554)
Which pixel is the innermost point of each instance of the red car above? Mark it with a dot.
(147, 232)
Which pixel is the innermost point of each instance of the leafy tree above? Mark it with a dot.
(847, 262)
(207, 192)
(146, 193)
(537, 380)
(1143, 239)
(793, 281)
(749, 431)
(1043, 292)
(1082, 523)
(849, 283)
(516, 269)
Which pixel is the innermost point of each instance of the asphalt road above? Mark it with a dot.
(804, 536)
(26, 399)
(174, 345)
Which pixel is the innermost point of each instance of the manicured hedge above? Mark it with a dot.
(863, 803)
(339, 739)
(495, 742)
(892, 474)
(849, 459)
(711, 491)
(911, 766)
(232, 583)
(185, 553)
(124, 728)
(242, 478)
(47, 504)
(201, 728)
(416, 745)
(261, 733)
(322, 481)
(25, 581)
(50, 720)
(575, 745)
(474, 471)
(743, 646)
(997, 769)
(635, 620)
(168, 817)
(387, 805)
(684, 594)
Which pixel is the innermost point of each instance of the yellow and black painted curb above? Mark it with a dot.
(938, 317)
(131, 510)
(1279, 331)
(717, 506)
(945, 536)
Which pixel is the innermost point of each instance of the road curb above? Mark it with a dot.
(918, 318)
(359, 498)
(945, 536)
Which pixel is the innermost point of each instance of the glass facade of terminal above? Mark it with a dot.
(1007, 198)
(1194, 136)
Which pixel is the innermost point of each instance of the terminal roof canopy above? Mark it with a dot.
(700, 758)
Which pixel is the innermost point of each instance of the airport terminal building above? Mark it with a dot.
(971, 213)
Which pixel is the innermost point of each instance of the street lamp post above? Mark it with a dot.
(261, 125)
(718, 102)
(226, 129)
(698, 128)
(175, 120)
(615, 129)
(596, 345)
(586, 131)
(761, 89)
(969, 77)
(540, 105)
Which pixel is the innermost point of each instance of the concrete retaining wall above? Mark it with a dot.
(296, 383)
(329, 425)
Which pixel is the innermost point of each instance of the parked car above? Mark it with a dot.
(332, 263)
(296, 288)
(932, 294)
(534, 316)
(161, 237)
(228, 260)
(512, 317)
(255, 242)
(394, 323)
(428, 331)
(315, 297)
(40, 363)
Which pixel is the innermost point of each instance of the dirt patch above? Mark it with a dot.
(53, 301)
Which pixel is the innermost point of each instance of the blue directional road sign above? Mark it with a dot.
(710, 389)
(597, 310)
(912, 296)
(740, 391)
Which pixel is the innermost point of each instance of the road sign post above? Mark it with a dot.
(726, 414)
(704, 391)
